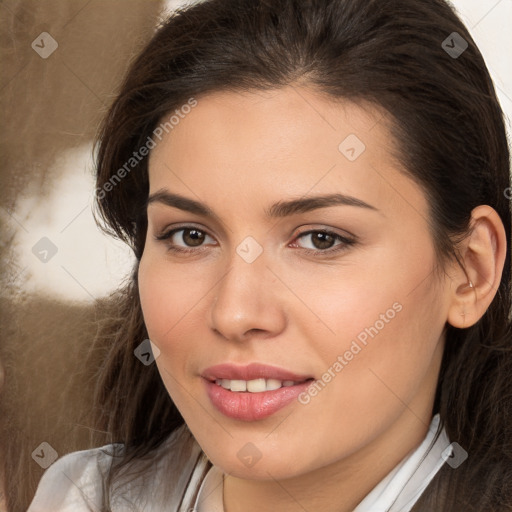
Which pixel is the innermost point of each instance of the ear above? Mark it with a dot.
(482, 254)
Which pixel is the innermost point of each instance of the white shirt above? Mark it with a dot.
(73, 483)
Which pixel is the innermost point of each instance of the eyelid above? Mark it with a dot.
(169, 231)
(169, 228)
(327, 229)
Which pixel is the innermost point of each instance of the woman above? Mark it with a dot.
(315, 192)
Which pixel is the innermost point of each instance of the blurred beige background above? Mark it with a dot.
(51, 105)
(61, 63)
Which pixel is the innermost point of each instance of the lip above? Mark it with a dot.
(247, 406)
(250, 372)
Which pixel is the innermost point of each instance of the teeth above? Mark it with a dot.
(253, 386)
(256, 385)
(238, 385)
(273, 384)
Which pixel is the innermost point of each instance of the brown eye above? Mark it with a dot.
(184, 239)
(193, 237)
(324, 241)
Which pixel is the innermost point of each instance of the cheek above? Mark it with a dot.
(154, 296)
(169, 301)
(385, 323)
(386, 295)
(168, 298)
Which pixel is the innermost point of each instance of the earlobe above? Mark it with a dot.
(482, 255)
(465, 299)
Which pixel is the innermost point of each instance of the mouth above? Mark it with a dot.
(256, 385)
(252, 392)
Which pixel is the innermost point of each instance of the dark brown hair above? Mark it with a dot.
(450, 131)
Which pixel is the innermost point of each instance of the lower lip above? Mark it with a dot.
(247, 406)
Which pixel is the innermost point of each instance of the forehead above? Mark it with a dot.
(289, 141)
(279, 123)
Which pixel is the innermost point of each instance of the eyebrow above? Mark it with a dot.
(277, 210)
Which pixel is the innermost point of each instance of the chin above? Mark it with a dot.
(261, 470)
(242, 458)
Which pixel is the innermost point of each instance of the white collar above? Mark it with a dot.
(398, 491)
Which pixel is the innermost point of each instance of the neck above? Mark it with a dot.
(338, 487)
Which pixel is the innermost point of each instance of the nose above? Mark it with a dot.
(248, 302)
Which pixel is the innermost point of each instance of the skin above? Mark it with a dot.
(239, 154)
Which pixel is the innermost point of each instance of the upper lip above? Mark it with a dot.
(251, 371)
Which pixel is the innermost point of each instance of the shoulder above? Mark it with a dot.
(75, 481)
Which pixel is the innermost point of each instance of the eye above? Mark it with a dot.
(324, 241)
(190, 237)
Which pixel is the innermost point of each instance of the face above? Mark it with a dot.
(293, 331)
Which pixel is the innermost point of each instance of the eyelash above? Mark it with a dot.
(345, 242)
